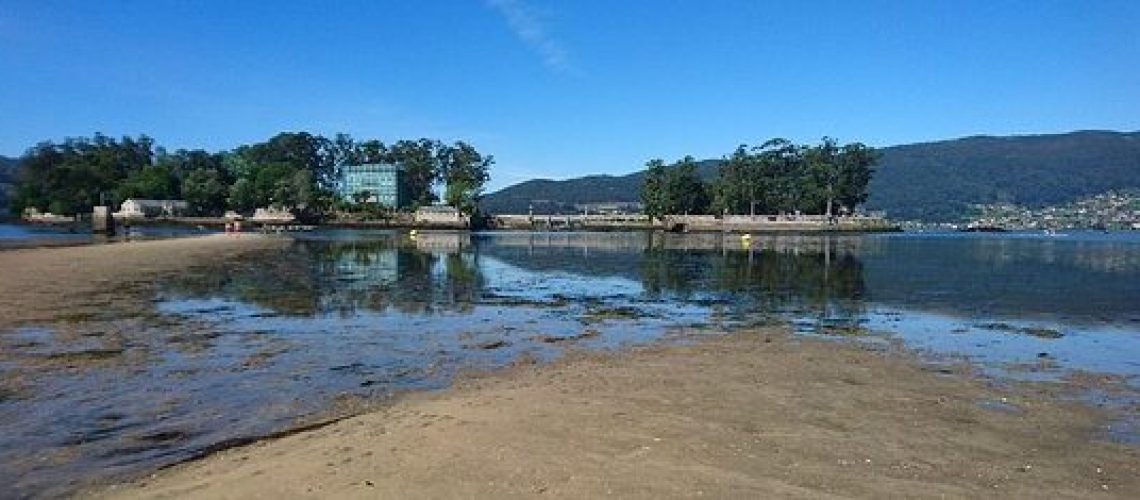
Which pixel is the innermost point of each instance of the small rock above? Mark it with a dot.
(494, 344)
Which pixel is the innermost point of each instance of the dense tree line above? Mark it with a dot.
(776, 177)
(294, 171)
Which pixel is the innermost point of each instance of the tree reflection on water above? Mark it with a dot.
(822, 276)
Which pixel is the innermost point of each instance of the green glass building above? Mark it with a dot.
(384, 182)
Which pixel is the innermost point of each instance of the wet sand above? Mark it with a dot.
(40, 284)
(757, 414)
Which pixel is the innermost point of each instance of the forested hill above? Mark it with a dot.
(939, 180)
(932, 181)
(546, 194)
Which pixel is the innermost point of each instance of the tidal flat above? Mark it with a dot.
(117, 360)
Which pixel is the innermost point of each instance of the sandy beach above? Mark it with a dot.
(756, 414)
(38, 283)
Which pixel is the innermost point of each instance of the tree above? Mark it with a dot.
(422, 162)
(242, 195)
(777, 176)
(857, 162)
(685, 192)
(654, 195)
(464, 172)
(79, 173)
(205, 191)
(372, 151)
(292, 170)
(733, 191)
(822, 163)
(345, 151)
(153, 183)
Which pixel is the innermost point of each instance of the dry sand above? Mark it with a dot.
(756, 414)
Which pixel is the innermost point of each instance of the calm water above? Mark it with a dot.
(242, 348)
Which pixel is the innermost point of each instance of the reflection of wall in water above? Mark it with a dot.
(365, 268)
(393, 273)
(445, 241)
(587, 241)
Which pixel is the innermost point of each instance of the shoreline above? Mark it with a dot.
(756, 413)
(40, 282)
(536, 226)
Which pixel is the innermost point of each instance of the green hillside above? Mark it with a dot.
(932, 181)
(560, 196)
(939, 180)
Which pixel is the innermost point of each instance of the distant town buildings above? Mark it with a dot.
(381, 183)
(610, 207)
(141, 209)
(552, 207)
(1111, 210)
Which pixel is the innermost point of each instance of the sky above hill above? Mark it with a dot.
(560, 89)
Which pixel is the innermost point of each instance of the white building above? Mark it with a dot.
(141, 209)
(273, 215)
(441, 215)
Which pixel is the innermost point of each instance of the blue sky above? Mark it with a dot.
(560, 89)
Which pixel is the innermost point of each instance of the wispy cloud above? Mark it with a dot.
(528, 27)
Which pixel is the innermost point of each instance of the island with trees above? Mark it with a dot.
(294, 172)
(778, 185)
(777, 177)
(302, 176)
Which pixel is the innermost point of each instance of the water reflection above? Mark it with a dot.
(319, 277)
(246, 346)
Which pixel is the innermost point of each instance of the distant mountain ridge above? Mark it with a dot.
(928, 181)
(546, 194)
